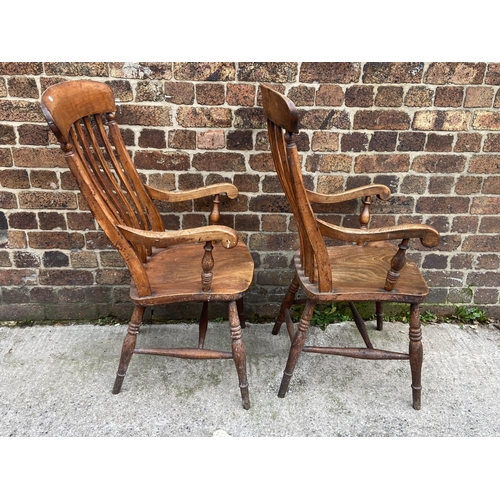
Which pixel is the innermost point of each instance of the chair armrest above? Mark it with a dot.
(192, 194)
(227, 236)
(427, 234)
(383, 192)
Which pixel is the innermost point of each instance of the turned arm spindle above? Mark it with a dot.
(397, 263)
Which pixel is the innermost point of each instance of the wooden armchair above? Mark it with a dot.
(203, 264)
(367, 267)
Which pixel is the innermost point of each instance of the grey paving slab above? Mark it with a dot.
(57, 380)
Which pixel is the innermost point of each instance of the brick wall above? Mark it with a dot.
(430, 131)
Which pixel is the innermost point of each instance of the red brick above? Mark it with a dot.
(15, 277)
(328, 163)
(493, 74)
(44, 179)
(14, 178)
(34, 135)
(55, 239)
(20, 111)
(441, 120)
(249, 118)
(23, 220)
(179, 92)
(240, 94)
(468, 185)
(182, 139)
(216, 162)
(381, 120)
(468, 142)
(240, 140)
(485, 205)
(485, 164)
(486, 120)
(455, 73)
(262, 162)
(211, 139)
(440, 185)
(7, 135)
(21, 68)
(302, 95)
(210, 94)
(76, 68)
(325, 141)
(23, 87)
(212, 72)
(442, 205)
(449, 97)
(160, 160)
(383, 141)
(360, 96)
(491, 185)
(479, 97)
(204, 117)
(489, 225)
(149, 92)
(329, 72)
(66, 277)
(411, 141)
(356, 141)
(439, 142)
(148, 116)
(393, 72)
(39, 157)
(329, 95)
(324, 119)
(389, 96)
(141, 70)
(152, 138)
(419, 97)
(382, 163)
(439, 164)
(49, 200)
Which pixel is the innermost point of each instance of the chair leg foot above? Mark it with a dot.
(417, 391)
(128, 347)
(245, 397)
(285, 382)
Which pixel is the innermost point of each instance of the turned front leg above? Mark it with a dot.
(239, 353)
(416, 354)
(296, 348)
(128, 347)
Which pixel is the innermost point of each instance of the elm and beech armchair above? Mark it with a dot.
(364, 266)
(203, 264)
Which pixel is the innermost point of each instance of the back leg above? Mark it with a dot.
(379, 312)
(416, 355)
(128, 346)
(286, 304)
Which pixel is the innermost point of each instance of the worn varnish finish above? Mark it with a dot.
(202, 264)
(368, 267)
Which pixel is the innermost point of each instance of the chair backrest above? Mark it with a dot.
(97, 157)
(282, 124)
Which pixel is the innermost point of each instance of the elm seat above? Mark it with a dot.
(364, 266)
(203, 264)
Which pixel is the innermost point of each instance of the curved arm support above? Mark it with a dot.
(427, 235)
(192, 194)
(227, 236)
(381, 191)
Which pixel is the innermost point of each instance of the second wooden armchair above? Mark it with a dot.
(365, 267)
(204, 264)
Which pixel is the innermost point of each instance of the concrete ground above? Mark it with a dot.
(57, 380)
